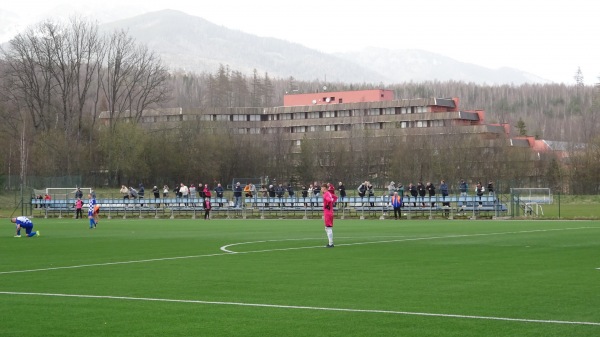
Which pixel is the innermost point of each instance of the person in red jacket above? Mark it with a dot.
(329, 200)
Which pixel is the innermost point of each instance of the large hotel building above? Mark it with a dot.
(343, 115)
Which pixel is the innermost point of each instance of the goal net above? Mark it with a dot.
(532, 195)
(60, 193)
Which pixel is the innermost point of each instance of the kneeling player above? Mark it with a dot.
(24, 222)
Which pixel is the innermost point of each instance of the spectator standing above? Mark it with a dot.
(310, 193)
(304, 194)
(431, 191)
(47, 199)
(206, 192)
(392, 189)
(421, 190)
(247, 192)
(463, 187)
(124, 191)
(133, 194)
(304, 191)
(193, 191)
(290, 190)
(400, 188)
(329, 200)
(371, 194)
(140, 194)
(342, 192)
(263, 191)
(444, 191)
(165, 193)
(78, 207)
(490, 188)
(200, 190)
(219, 192)
(156, 193)
(279, 193)
(362, 189)
(78, 193)
(412, 190)
(207, 207)
(185, 192)
(396, 202)
(237, 195)
(479, 189)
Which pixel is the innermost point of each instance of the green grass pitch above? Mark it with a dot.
(151, 277)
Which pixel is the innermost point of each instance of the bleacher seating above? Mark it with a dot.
(131, 207)
(280, 207)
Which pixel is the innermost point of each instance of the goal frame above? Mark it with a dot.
(60, 193)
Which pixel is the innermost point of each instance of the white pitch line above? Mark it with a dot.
(284, 249)
(225, 248)
(277, 306)
(404, 239)
(111, 263)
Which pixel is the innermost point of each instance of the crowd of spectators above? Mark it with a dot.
(418, 191)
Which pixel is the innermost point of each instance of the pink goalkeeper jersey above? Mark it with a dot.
(328, 200)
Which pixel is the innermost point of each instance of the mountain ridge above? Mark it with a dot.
(193, 44)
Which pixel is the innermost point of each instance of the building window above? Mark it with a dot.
(175, 118)
(374, 112)
(373, 126)
(313, 115)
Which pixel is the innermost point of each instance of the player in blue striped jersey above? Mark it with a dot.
(24, 222)
(91, 209)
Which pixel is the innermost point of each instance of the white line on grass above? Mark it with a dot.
(277, 306)
(404, 239)
(229, 252)
(225, 248)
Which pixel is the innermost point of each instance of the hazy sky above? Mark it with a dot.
(549, 38)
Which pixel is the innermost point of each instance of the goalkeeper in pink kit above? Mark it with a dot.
(329, 199)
